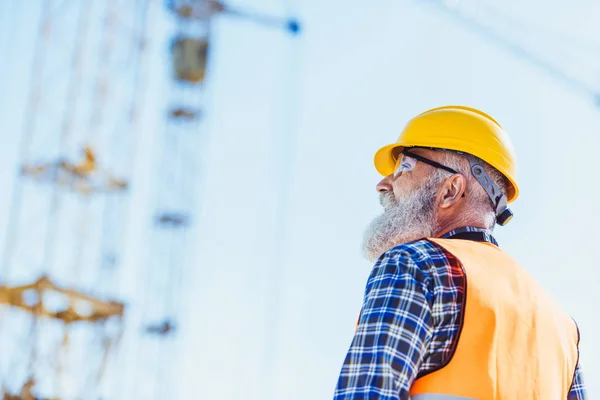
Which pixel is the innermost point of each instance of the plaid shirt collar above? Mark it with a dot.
(485, 234)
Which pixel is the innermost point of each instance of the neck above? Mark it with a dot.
(444, 227)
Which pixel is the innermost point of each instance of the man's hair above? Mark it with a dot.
(478, 199)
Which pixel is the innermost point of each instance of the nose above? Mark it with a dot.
(384, 185)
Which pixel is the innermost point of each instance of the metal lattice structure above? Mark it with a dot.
(65, 330)
(177, 172)
(180, 151)
(60, 308)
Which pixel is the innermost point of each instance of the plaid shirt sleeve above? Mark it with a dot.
(577, 388)
(392, 334)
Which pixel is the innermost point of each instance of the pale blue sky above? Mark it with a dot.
(276, 279)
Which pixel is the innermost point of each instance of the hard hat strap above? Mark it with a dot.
(498, 198)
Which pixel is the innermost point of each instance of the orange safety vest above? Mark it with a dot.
(515, 342)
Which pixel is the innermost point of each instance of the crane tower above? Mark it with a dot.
(60, 305)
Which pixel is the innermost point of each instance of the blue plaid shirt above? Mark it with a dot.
(409, 322)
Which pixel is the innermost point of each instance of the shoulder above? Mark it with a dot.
(420, 254)
(421, 261)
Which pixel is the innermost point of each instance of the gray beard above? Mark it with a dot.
(409, 218)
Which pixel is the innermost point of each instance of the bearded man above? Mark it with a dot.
(447, 314)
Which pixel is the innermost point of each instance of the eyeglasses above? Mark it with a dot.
(407, 161)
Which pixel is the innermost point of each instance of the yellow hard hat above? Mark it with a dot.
(457, 128)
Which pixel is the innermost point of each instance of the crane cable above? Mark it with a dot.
(516, 49)
(71, 100)
(138, 94)
(38, 64)
(285, 164)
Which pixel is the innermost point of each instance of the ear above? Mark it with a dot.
(452, 190)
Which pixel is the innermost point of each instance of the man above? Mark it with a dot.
(447, 314)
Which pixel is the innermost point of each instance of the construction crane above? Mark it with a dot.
(178, 174)
(61, 310)
(66, 329)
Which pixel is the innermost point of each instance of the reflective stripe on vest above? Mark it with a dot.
(515, 341)
(436, 396)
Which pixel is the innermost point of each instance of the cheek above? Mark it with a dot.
(401, 187)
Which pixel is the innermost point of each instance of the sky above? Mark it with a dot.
(287, 186)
